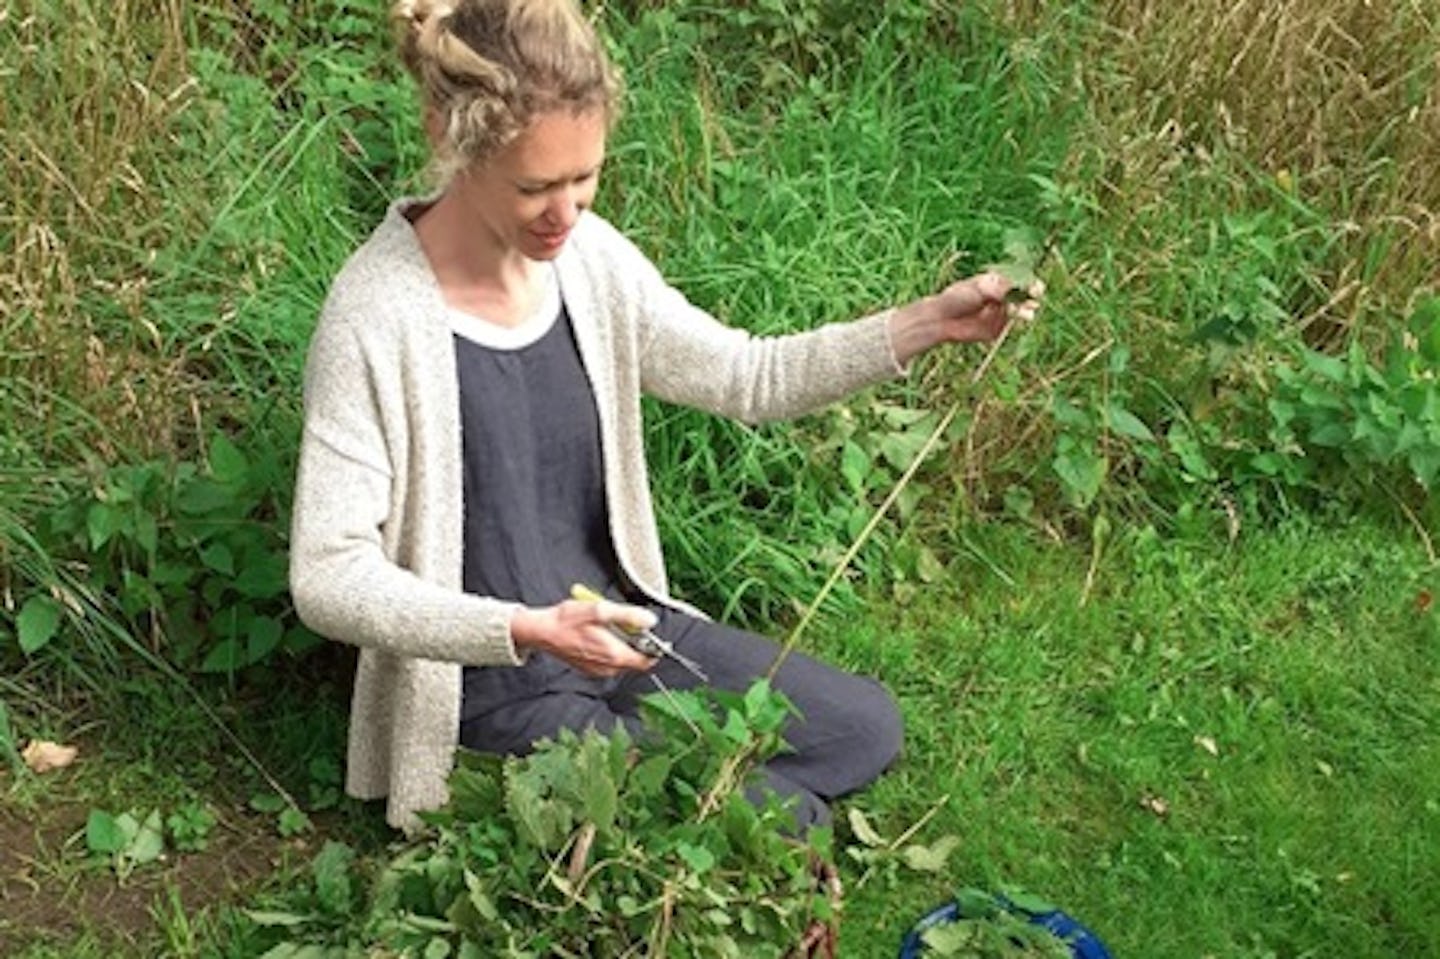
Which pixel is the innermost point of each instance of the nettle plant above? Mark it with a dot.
(1375, 417)
(596, 846)
(192, 556)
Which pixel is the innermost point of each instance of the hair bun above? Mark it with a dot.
(419, 13)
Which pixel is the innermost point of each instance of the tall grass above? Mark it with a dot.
(91, 91)
(1327, 112)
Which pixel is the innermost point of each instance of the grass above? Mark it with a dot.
(190, 176)
(1057, 729)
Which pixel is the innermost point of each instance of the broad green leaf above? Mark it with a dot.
(227, 463)
(1081, 472)
(264, 636)
(37, 623)
(1125, 423)
(148, 842)
(930, 858)
(201, 496)
(950, 939)
(225, 657)
(218, 557)
(698, 858)
(292, 822)
(102, 522)
(599, 794)
(480, 898)
(103, 833)
(331, 869)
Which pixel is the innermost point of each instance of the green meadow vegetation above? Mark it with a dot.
(1154, 584)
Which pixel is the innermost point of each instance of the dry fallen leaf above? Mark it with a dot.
(42, 756)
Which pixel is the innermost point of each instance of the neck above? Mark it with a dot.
(476, 274)
(462, 254)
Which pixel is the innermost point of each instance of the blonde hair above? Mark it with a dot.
(488, 67)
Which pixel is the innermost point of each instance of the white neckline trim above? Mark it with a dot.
(481, 331)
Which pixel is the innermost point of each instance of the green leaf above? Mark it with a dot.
(264, 636)
(1325, 366)
(201, 496)
(930, 858)
(148, 842)
(1125, 423)
(480, 899)
(698, 858)
(267, 803)
(225, 657)
(860, 826)
(218, 557)
(227, 463)
(292, 822)
(103, 834)
(854, 466)
(37, 623)
(1081, 472)
(950, 939)
(331, 869)
(102, 522)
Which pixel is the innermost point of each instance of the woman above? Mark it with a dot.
(473, 447)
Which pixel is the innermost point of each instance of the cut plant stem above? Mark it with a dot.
(793, 640)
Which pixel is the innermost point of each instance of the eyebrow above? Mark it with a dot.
(547, 184)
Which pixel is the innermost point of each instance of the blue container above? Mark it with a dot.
(1084, 944)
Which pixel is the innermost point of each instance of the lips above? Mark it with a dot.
(551, 241)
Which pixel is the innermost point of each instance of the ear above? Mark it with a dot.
(434, 126)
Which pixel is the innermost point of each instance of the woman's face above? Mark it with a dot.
(529, 196)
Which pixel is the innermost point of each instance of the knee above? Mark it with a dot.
(884, 726)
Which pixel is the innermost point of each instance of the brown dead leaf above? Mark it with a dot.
(43, 756)
(1424, 600)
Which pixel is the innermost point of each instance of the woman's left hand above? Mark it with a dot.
(974, 310)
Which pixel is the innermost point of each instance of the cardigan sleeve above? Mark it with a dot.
(690, 357)
(344, 584)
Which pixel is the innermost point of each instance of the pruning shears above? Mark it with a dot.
(643, 641)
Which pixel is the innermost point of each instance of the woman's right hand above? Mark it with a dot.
(582, 634)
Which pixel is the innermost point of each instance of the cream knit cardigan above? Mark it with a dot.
(376, 545)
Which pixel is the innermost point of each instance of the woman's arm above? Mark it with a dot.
(690, 357)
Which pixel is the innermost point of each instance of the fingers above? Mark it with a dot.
(624, 616)
(598, 646)
(991, 286)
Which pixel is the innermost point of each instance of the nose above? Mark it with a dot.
(565, 208)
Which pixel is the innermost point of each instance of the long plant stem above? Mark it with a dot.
(844, 564)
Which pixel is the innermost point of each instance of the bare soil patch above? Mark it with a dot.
(52, 893)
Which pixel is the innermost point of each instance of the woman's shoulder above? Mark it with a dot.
(385, 272)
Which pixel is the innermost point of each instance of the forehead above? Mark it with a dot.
(558, 144)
